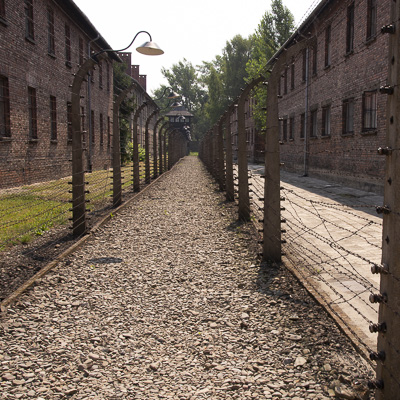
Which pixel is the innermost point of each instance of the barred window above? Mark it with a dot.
(69, 121)
(29, 27)
(108, 132)
(371, 19)
(284, 129)
(313, 123)
(370, 110)
(350, 29)
(51, 46)
(326, 121)
(2, 9)
(348, 117)
(5, 130)
(302, 125)
(81, 51)
(291, 128)
(101, 129)
(32, 113)
(53, 118)
(328, 46)
(67, 45)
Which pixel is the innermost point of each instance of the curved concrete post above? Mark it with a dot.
(160, 146)
(79, 223)
(244, 198)
(135, 155)
(117, 184)
(155, 151)
(147, 146)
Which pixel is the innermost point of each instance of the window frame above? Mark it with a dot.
(291, 127)
(313, 128)
(32, 114)
(68, 49)
(347, 116)
(371, 19)
(29, 21)
(326, 121)
(371, 112)
(328, 45)
(350, 29)
(53, 118)
(5, 120)
(302, 125)
(51, 41)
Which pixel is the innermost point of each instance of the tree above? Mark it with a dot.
(274, 29)
(122, 81)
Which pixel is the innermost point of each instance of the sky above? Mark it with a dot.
(194, 30)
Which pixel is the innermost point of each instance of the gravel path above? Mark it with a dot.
(169, 301)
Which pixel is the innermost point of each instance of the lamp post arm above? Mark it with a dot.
(116, 51)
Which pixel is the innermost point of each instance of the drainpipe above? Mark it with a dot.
(306, 118)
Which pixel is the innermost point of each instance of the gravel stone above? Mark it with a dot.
(170, 301)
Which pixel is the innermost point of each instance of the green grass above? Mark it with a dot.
(31, 210)
(25, 215)
(194, 153)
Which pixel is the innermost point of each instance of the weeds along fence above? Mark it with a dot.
(337, 244)
(96, 181)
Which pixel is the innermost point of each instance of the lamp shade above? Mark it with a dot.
(150, 49)
(173, 95)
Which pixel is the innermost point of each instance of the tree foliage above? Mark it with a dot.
(207, 90)
(274, 29)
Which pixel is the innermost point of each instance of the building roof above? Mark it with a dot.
(179, 111)
(299, 33)
(84, 23)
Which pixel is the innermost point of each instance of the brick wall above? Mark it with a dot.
(28, 63)
(346, 157)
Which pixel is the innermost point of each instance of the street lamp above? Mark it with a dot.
(79, 223)
(148, 48)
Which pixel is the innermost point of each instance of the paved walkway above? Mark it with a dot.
(333, 237)
(169, 301)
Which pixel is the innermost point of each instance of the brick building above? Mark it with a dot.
(42, 44)
(331, 110)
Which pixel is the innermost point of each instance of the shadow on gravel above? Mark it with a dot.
(105, 260)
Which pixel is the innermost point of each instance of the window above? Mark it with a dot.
(280, 86)
(2, 9)
(350, 29)
(108, 77)
(5, 130)
(328, 46)
(304, 74)
(29, 31)
(302, 126)
(81, 51)
(313, 123)
(284, 129)
(92, 125)
(371, 19)
(292, 75)
(348, 117)
(108, 132)
(100, 75)
(101, 130)
(83, 127)
(314, 60)
(67, 46)
(51, 46)
(53, 118)
(369, 110)
(326, 121)
(285, 78)
(69, 121)
(291, 128)
(32, 112)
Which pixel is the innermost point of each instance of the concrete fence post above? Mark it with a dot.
(244, 197)
(79, 223)
(221, 156)
(147, 146)
(387, 357)
(230, 188)
(135, 153)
